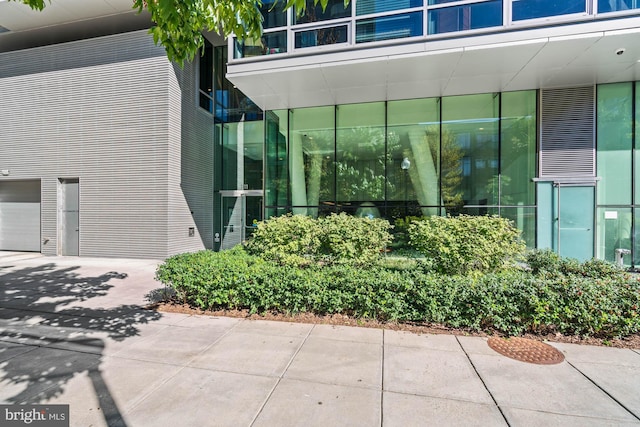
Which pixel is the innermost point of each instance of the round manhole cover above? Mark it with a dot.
(526, 350)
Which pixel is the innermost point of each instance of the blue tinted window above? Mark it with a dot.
(389, 27)
(335, 9)
(365, 7)
(321, 36)
(617, 5)
(465, 17)
(530, 9)
(273, 14)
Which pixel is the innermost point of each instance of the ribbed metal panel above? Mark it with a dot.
(20, 215)
(567, 132)
(190, 165)
(96, 110)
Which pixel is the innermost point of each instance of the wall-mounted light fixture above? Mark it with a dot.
(5, 172)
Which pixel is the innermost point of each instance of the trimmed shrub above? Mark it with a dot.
(545, 262)
(511, 301)
(467, 244)
(348, 239)
(288, 239)
(335, 239)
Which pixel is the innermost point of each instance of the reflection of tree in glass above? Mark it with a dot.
(517, 164)
(361, 162)
(318, 161)
(451, 158)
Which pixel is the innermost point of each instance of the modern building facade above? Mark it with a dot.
(522, 108)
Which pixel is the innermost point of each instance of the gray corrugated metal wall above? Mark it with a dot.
(190, 165)
(102, 110)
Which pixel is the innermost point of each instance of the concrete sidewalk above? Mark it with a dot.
(72, 331)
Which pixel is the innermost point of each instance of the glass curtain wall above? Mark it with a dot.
(360, 155)
(518, 130)
(312, 153)
(413, 160)
(417, 157)
(615, 168)
(470, 144)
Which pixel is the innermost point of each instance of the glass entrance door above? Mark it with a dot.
(574, 223)
(241, 212)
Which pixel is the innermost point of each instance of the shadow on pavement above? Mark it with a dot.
(46, 338)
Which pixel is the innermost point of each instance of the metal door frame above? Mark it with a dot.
(242, 194)
(62, 195)
(557, 185)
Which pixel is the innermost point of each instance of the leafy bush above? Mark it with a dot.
(204, 278)
(335, 239)
(511, 301)
(467, 244)
(548, 263)
(543, 260)
(288, 239)
(346, 238)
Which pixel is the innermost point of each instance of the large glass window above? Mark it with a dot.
(268, 44)
(242, 155)
(617, 5)
(518, 148)
(276, 162)
(636, 151)
(360, 148)
(614, 232)
(365, 7)
(531, 9)
(413, 160)
(524, 218)
(403, 158)
(312, 159)
(321, 36)
(389, 27)
(335, 9)
(469, 144)
(465, 17)
(273, 13)
(205, 78)
(614, 139)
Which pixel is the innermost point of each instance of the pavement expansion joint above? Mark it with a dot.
(526, 350)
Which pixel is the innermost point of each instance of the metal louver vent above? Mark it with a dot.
(567, 140)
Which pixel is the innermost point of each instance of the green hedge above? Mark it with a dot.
(569, 301)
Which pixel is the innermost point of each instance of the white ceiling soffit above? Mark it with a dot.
(580, 54)
(16, 16)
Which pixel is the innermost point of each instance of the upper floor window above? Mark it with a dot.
(617, 5)
(205, 77)
(366, 7)
(273, 14)
(532, 9)
(335, 9)
(463, 17)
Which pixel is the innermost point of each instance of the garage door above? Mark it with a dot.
(20, 216)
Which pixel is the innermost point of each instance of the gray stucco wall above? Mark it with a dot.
(107, 111)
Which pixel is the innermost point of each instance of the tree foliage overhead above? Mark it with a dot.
(179, 23)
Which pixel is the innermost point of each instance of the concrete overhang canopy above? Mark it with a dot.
(16, 16)
(560, 56)
(65, 20)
